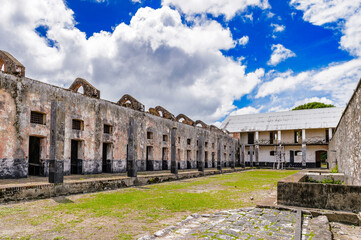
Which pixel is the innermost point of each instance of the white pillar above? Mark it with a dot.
(329, 134)
(256, 149)
(279, 138)
(303, 135)
(304, 159)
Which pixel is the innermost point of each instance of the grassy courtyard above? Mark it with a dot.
(132, 212)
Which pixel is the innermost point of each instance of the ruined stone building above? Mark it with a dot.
(292, 138)
(345, 146)
(85, 134)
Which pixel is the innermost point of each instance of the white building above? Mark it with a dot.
(296, 138)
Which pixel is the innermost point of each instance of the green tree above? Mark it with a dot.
(313, 105)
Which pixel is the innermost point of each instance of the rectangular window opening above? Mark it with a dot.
(108, 129)
(37, 118)
(77, 124)
(165, 138)
(149, 135)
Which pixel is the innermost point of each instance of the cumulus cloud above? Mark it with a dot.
(280, 82)
(322, 12)
(156, 58)
(337, 80)
(245, 110)
(243, 40)
(279, 54)
(228, 8)
(328, 12)
(277, 27)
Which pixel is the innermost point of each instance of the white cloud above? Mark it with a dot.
(217, 124)
(156, 58)
(245, 110)
(228, 8)
(243, 40)
(280, 82)
(319, 12)
(277, 27)
(328, 12)
(279, 54)
(270, 14)
(278, 109)
(338, 80)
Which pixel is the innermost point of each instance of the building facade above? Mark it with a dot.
(292, 139)
(40, 122)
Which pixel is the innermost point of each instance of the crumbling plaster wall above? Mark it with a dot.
(345, 145)
(19, 96)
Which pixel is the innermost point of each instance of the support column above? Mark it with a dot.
(219, 155)
(233, 160)
(304, 159)
(174, 165)
(279, 137)
(57, 133)
(251, 155)
(132, 149)
(200, 153)
(243, 164)
(256, 148)
(329, 134)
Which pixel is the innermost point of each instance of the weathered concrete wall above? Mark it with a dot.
(317, 195)
(19, 96)
(345, 145)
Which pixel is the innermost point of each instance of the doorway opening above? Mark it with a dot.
(149, 158)
(321, 159)
(189, 164)
(107, 157)
(213, 159)
(292, 158)
(76, 161)
(165, 158)
(206, 159)
(35, 166)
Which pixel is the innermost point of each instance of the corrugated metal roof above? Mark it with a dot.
(300, 119)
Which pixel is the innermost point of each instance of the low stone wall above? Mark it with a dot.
(330, 176)
(317, 195)
(49, 190)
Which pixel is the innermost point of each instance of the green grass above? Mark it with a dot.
(162, 200)
(130, 212)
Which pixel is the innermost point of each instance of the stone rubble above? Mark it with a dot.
(244, 223)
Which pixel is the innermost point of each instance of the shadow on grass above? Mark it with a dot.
(62, 200)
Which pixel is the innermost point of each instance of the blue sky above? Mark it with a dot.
(204, 58)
